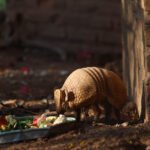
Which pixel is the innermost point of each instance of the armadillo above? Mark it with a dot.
(91, 86)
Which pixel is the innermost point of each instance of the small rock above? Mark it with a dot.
(124, 124)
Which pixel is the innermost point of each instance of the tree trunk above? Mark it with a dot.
(133, 52)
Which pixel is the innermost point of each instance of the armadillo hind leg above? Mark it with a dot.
(114, 110)
(117, 113)
(108, 111)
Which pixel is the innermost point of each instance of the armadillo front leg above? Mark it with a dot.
(78, 115)
(97, 112)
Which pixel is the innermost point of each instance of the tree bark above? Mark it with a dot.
(133, 52)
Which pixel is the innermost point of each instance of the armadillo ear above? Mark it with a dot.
(59, 94)
(59, 97)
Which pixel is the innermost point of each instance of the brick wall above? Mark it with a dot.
(71, 24)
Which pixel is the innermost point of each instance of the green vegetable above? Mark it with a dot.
(12, 122)
(24, 124)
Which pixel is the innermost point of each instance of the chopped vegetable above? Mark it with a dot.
(10, 122)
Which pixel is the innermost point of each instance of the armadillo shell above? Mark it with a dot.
(92, 84)
(116, 89)
(99, 79)
(108, 84)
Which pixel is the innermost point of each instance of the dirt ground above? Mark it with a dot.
(32, 77)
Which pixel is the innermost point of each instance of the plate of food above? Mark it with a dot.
(15, 129)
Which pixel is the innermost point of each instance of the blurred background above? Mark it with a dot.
(42, 41)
